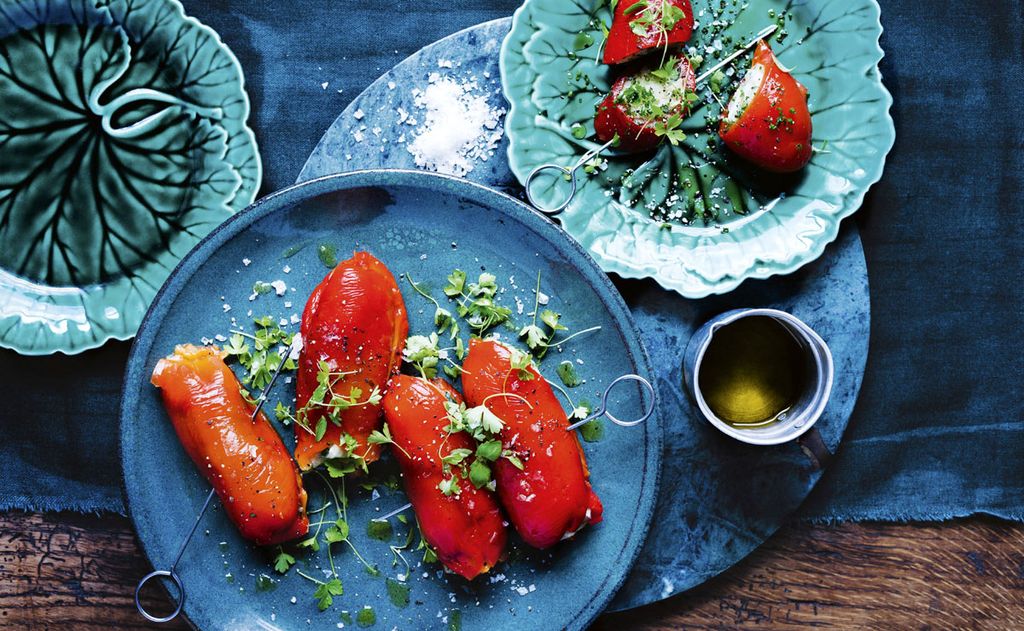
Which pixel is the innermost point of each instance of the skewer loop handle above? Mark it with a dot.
(180, 601)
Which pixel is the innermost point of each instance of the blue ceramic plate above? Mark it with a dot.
(693, 217)
(425, 225)
(123, 141)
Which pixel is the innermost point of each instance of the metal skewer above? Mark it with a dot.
(570, 172)
(171, 573)
(765, 32)
(602, 410)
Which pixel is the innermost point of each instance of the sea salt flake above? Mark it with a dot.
(358, 114)
(457, 119)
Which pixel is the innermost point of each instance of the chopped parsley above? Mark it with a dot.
(567, 373)
(366, 617)
(398, 593)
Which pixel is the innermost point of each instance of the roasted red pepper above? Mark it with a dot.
(767, 120)
(647, 107)
(640, 25)
(244, 460)
(550, 499)
(355, 321)
(465, 529)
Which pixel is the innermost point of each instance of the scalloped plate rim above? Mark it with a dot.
(849, 204)
(61, 344)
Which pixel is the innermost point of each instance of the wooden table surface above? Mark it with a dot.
(63, 570)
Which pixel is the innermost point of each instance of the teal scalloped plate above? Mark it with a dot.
(124, 141)
(730, 223)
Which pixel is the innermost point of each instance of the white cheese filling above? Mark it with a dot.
(744, 94)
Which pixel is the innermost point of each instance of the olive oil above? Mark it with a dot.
(753, 372)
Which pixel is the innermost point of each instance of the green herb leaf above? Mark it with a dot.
(449, 486)
(456, 456)
(479, 473)
(455, 616)
(398, 593)
(456, 283)
(366, 617)
(592, 431)
(716, 80)
(535, 336)
(583, 40)
(516, 462)
(326, 591)
(489, 451)
(551, 319)
(379, 530)
(522, 362)
(567, 373)
(423, 353)
(283, 561)
(380, 437)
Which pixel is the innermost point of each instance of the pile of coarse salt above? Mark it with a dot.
(458, 126)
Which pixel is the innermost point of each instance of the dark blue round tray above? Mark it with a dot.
(719, 499)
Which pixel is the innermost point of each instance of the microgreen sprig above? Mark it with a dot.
(325, 399)
(443, 319)
(485, 428)
(423, 352)
(383, 437)
(657, 17)
(476, 301)
(538, 339)
(262, 359)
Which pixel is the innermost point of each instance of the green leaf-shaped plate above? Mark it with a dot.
(692, 217)
(124, 141)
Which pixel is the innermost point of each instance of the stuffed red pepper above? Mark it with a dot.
(648, 106)
(550, 498)
(464, 526)
(767, 120)
(353, 331)
(641, 25)
(244, 460)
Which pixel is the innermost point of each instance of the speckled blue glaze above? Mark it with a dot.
(719, 499)
(473, 55)
(424, 225)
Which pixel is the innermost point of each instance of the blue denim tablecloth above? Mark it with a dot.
(939, 428)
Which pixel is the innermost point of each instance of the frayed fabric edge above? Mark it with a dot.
(58, 504)
(906, 517)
